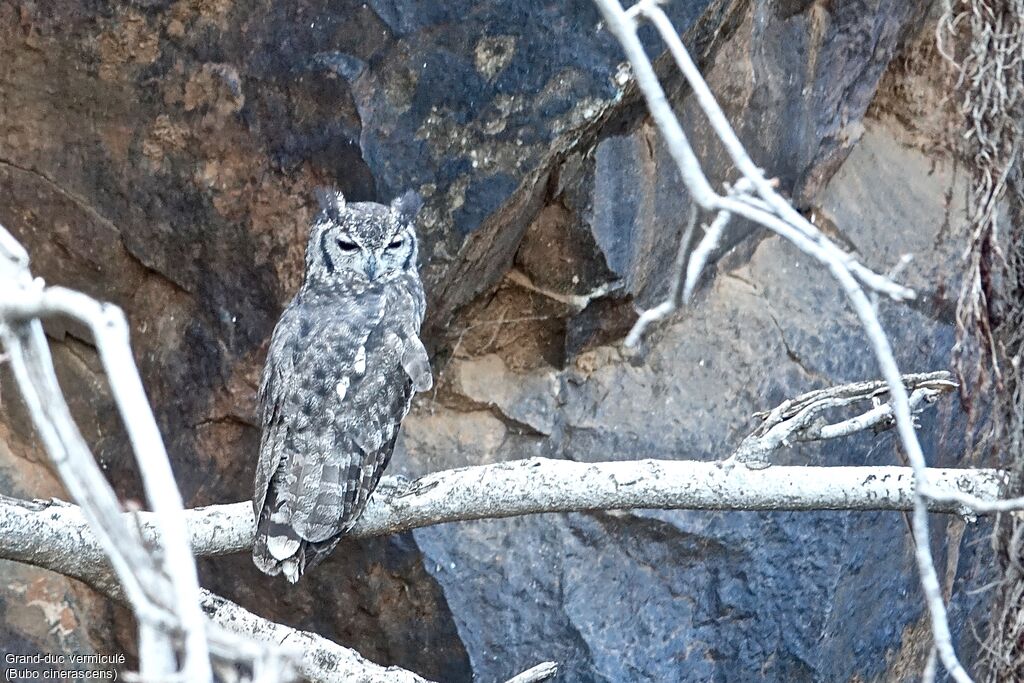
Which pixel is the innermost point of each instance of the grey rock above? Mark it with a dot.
(528, 399)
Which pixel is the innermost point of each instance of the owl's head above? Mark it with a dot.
(362, 242)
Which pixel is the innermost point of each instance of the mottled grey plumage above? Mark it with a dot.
(343, 364)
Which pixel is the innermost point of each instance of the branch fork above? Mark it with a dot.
(801, 419)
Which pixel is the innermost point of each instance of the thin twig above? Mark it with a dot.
(701, 253)
(674, 298)
(972, 503)
(930, 666)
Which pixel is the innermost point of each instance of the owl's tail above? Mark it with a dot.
(278, 548)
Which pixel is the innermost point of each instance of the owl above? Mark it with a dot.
(343, 364)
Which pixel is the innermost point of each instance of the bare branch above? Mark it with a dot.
(162, 588)
(319, 659)
(56, 535)
(109, 329)
(30, 360)
(775, 213)
(930, 665)
(712, 238)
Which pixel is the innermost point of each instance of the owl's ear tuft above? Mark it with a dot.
(408, 205)
(331, 201)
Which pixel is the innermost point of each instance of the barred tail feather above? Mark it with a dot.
(278, 548)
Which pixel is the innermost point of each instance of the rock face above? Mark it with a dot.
(162, 155)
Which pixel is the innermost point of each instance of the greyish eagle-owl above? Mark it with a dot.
(343, 364)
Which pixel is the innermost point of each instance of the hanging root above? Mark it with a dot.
(1004, 647)
(985, 39)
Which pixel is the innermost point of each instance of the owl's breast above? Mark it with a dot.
(352, 357)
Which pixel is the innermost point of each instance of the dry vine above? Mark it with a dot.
(991, 84)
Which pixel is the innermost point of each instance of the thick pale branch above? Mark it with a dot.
(318, 658)
(56, 535)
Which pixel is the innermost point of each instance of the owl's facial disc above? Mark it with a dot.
(370, 260)
(362, 241)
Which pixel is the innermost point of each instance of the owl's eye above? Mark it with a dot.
(395, 243)
(346, 245)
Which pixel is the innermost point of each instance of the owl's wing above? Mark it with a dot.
(320, 473)
(313, 357)
(377, 432)
(415, 359)
(272, 393)
(416, 363)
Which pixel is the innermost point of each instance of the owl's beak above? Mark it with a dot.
(372, 267)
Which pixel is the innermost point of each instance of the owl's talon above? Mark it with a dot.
(757, 463)
(394, 487)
